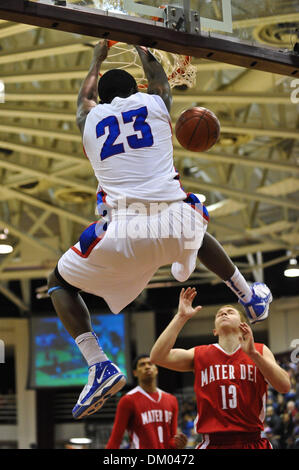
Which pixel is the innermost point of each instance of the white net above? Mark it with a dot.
(178, 68)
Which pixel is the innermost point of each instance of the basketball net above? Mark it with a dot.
(178, 68)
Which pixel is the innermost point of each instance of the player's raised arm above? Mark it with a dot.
(88, 94)
(273, 373)
(162, 352)
(157, 79)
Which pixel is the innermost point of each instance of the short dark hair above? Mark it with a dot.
(116, 82)
(135, 362)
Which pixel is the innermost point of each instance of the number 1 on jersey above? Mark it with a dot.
(160, 434)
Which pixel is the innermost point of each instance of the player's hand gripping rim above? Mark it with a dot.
(101, 50)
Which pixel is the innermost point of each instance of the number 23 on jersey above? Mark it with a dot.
(135, 141)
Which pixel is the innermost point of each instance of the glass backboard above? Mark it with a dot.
(273, 23)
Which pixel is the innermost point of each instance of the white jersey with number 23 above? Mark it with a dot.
(129, 145)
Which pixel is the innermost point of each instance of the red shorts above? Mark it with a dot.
(232, 440)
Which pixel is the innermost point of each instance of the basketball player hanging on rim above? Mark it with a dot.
(127, 138)
(230, 377)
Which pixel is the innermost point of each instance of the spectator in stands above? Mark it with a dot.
(188, 424)
(287, 430)
(279, 403)
(274, 421)
(291, 408)
(272, 438)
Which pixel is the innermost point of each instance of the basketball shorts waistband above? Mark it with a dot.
(226, 438)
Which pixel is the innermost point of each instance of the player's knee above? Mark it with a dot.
(55, 283)
(52, 280)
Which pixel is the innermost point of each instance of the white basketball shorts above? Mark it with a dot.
(116, 260)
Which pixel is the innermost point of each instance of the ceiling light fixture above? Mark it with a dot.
(292, 269)
(5, 249)
(80, 440)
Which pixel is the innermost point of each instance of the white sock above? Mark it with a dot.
(238, 284)
(90, 348)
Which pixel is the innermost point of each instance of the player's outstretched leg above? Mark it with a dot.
(104, 378)
(255, 299)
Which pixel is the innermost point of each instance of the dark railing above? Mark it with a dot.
(8, 409)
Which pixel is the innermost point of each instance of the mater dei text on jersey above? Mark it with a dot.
(228, 371)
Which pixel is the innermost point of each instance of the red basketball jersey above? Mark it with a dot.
(150, 419)
(230, 391)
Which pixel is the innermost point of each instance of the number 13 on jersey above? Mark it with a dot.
(135, 141)
(228, 396)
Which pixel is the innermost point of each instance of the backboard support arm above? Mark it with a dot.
(133, 30)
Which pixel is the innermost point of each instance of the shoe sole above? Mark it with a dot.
(265, 315)
(107, 392)
(261, 318)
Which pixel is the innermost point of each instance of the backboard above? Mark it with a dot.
(260, 34)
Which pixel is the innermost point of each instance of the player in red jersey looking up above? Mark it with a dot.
(231, 377)
(148, 414)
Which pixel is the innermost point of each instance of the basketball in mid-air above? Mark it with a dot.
(197, 129)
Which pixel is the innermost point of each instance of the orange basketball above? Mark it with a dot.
(197, 129)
